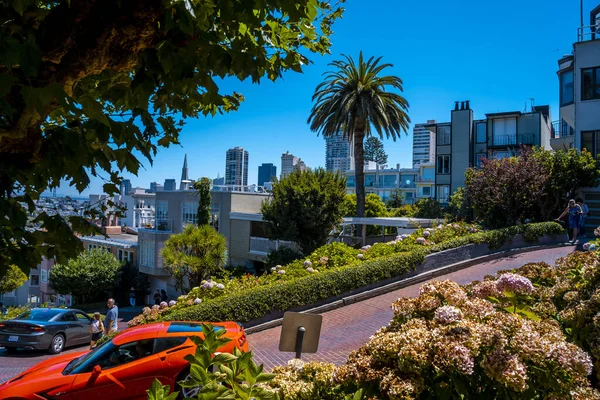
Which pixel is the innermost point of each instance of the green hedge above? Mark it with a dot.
(259, 302)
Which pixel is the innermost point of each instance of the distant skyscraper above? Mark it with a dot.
(170, 185)
(155, 187)
(423, 144)
(236, 167)
(337, 153)
(219, 181)
(289, 163)
(184, 183)
(125, 187)
(266, 173)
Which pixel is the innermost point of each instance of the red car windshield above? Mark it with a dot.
(86, 362)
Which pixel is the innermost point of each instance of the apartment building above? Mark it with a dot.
(235, 214)
(121, 244)
(464, 141)
(578, 125)
(337, 153)
(423, 144)
(385, 181)
(236, 167)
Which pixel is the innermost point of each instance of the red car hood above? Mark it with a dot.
(41, 378)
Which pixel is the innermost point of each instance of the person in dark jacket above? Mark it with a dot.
(163, 295)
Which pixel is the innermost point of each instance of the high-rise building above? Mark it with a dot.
(236, 167)
(337, 153)
(185, 181)
(266, 173)
(289, 163)
(155, 187)
(170, 185)
(423, 144)
(125, 187)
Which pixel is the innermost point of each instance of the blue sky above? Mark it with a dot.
(495, 54)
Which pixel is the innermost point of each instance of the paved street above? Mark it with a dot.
(344, 329)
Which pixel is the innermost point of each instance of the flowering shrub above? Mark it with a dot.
(336, 256)
(447, 343)
(570, 294)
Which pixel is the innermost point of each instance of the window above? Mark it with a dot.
(44, 276)
(190, 212)
(590, 83)
(481, 128)
(426, 191)
(110, 356)
(70, 316)
(505, 132)
(166, 343)
(215, 212)
(443, 193)
(443, 164)
(81, 317)
(147, 248)
(388, 181)
(479, 157)
(162, 209)
(369, 180)
(443, 134)
(502, 154)
(566, 88)
(34, 280)
(351, 181)
(591, 142)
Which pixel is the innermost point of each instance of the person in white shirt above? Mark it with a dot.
(96, 329)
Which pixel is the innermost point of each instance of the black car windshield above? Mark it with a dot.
(86, 362)
(38, 315)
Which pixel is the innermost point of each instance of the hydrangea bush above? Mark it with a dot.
(449, 343)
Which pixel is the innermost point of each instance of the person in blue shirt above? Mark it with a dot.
(110, 322)
(574, 212)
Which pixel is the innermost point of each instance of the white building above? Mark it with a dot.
(290, 163)
(423, 144)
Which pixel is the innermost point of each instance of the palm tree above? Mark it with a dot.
(353, 100)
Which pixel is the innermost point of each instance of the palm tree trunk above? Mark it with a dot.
(359, 174)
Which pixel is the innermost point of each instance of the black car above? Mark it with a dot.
(49, 329)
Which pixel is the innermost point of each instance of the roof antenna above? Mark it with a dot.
(532, 102)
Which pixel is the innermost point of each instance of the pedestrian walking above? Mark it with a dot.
(574, 212)
(132, 296)
(585, 212)
(156, 297)
(163, 295)
(96, 329)
(110, 322)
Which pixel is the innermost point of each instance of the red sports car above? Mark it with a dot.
(122, 368)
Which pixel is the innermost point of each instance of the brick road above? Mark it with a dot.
(344, 329)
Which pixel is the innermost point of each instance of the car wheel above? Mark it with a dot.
(185, 393)
(57, 345)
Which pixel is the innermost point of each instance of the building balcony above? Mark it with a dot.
(262, 246)
(587, 33)
(561, 129)
(520, 139)
(157, 225)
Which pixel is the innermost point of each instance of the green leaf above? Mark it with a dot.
(159, 392)
(20, 6)
(224, 358)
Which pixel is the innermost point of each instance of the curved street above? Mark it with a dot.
(344, 329)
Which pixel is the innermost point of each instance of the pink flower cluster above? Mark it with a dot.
(514, 283)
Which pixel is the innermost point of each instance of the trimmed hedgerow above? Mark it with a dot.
(284, 295)
(302, 291)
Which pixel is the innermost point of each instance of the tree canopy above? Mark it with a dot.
(375, 152)
(305, 206)
(193, 255)
(92, 88)
(13, 279)
(356, 99)
(203, 188)
(89, 277)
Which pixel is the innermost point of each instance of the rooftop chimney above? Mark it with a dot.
(468, 107)
(462, 105)
(456, 106)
